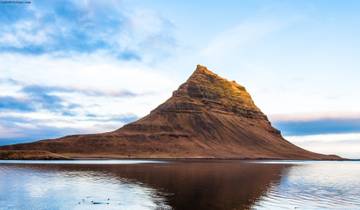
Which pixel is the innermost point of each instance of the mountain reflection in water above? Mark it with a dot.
(177, 185)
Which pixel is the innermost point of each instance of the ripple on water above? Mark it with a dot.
(181, 185)
(38, 188)
(320, 185)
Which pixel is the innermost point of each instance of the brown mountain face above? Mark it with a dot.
(207, 117)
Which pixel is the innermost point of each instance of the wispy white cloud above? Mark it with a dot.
(346, 145)
(335, 115)
(317, 123)
(241, 36)
(66, 27)
(18, 127)
(101, 86)
(6, 132)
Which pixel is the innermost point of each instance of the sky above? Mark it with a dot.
(88, 66)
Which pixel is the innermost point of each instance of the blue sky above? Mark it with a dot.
(90, 66)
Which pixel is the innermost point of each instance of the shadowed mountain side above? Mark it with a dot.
(207, 117)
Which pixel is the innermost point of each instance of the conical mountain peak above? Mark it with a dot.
(200, 69)
(203, 73)
(207, 117)
(211, 91)
(207, 77)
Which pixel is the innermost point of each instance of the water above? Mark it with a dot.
(139, 184)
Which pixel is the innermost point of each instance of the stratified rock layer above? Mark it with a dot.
(207, 117)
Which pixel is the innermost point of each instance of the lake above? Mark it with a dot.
(146, 184)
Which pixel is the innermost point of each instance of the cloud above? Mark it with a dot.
(16, 128)
(46, 100)
(44, 91)
(12, 103)
(67, 27)
(333, 115)
(123, 118)
(346, 144)
(48, 97)
(328, 133)
(77, 66)
(86, 80)
(96, 72)
(321, 123)
(34, 98)
(325, 126)
(241, 36)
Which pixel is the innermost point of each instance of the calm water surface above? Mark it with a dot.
(179, 185)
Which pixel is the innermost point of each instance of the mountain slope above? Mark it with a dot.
(207, 117)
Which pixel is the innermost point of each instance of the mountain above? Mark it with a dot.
(207, 117)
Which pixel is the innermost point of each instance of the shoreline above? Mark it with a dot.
(178, 159)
